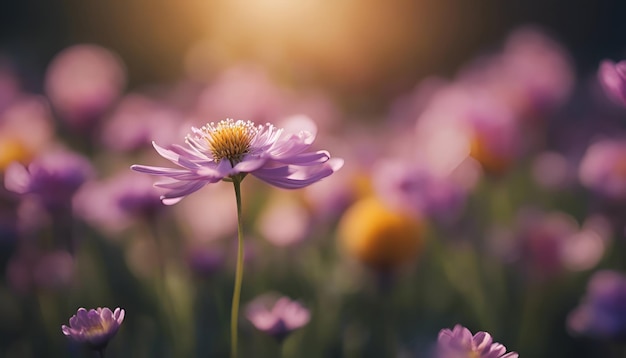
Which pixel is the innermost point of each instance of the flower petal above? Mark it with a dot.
(511, 355)
(185, 159)
(482, 341)
(249, 165)
(66, 330)
(166, 153)
(157, 170)
(298, 178)
(106, 314)
(335, 163)
(172, 201)
(302, 126)
(182, 190)
(82, 318)
(310, 158)
(16, 178)
(118, 315)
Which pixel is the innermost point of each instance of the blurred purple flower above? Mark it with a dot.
(53, 177)
(612, 77)
(541, 239)
(230, 148)
(547, 244)
(82, 82)
(532, 75)
(603, 168)
(539, 69)
(463, 119)
(417, 189)
(602, 312)
(115, 202)
(459, 343)
(137, 121)
(95, 327)
(277, 320)
(26, 128)
(495, 140)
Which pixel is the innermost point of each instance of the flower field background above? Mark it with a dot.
(483, 182)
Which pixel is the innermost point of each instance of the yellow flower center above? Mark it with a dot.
(230, 139)
(97, 330)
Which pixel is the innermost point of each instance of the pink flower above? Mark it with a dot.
(53, 177)
(278, 320)
(83, 81)
(548, 244)
(459, 343)
(603, 168)
(113, 204)
(612, 77)
(229, 149)
(136, 121)
(95, 327)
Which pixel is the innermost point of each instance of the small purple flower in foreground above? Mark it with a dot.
(95, 327)
(230, 149)
(278, 320)
(459, 343)
(612, 77)
(602, 313)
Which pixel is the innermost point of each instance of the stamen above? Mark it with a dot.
(97, 329)
(229, 139)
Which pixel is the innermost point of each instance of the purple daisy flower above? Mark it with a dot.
(95, 327)
(229, 149)
(459, 343)
(278, 320)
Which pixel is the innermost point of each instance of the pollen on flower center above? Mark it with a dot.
(230, 139)
(97, 330)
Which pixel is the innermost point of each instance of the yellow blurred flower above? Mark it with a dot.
(26, 129)
(380, 236)
(12, 149)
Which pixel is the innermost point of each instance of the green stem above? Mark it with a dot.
(234, 313)
(101, 353)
